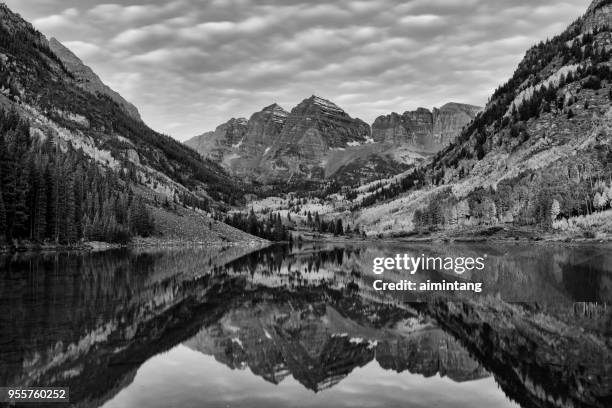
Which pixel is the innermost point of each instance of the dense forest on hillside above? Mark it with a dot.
(55, 194)
(30, 72)
(544, 99)
(555, 95)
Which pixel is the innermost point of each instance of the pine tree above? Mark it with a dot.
(20, 209)
(253, 224)
(339, 230)
(70, 212)
(7, 184)
(140, 220)
(60, 205)
(60, 194)
(79, 198)
(39, 217)
(51, 201)
(2, 218)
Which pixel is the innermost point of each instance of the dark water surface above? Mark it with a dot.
(303, 327)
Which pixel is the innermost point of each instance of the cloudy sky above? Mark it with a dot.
(189, 65)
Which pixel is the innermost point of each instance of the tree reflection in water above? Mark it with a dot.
(89, 321)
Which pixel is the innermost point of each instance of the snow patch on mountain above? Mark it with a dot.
(325, 104)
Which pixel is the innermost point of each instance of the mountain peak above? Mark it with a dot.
(326, 104)
(274, 106)
(237, 121)
(276, 109)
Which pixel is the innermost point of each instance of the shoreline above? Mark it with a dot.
(437, 237)
(139, 243)
(492, 235)
(466, 240)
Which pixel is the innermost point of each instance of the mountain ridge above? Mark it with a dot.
(423, 129)
(87, 79)
(318, 141)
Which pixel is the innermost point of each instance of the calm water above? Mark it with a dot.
(303, 327)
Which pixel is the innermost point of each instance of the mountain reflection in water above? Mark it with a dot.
(302, 326)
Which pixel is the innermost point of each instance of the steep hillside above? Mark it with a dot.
(539, 155)
(76, 161)
(87, 79)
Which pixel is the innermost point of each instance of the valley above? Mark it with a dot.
(534, 163)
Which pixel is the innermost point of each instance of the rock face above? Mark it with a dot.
(319, 119)
(313, 128)
(239, 143)
(450, 119)
(263, 130)
(424, 130)
(275, 145)
(219, 144)
(87, 79)
(598, 15)
(318, 140)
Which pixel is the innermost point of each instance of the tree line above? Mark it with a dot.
(54, 193)
(271, 228)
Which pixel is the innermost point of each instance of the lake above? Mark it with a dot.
(303, 326)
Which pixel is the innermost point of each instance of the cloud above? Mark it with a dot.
(54, 21)
(84, 49)
(189, 65)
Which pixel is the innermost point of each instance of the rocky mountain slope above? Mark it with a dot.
(314, 128)
(424, 130)
(539, 155)
(246, 140)
(275, 145)
(63, 124)
(87, 79)
(319, 141)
